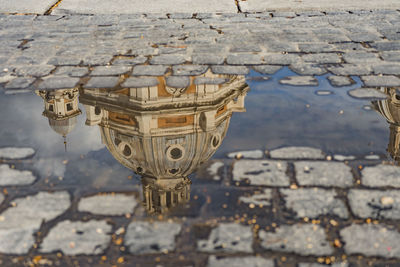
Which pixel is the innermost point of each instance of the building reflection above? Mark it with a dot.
(160, 132)
(390, 109)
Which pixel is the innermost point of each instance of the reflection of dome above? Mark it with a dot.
(63, 127)
(390, 109)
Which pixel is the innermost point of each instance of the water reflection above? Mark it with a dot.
(390, 109)
(160, 132)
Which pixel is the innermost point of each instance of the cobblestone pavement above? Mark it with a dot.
(287, 207)
(315, 210)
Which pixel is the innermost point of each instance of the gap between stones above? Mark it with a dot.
(48, 12)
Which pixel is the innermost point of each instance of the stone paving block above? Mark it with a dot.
(314, 202)
(130, 61)
(375, 204)
(146, 237)
(281, 59)
(387, 68)
(178, 81)
(319, 173)
(209, 59)
(20, 83)
(102, 82)
(138, 82)
(316, 47)
(244, 59)
(19, 222)
(267, 69)
(248, 154)
(381, 176)
(149, 70)
(387, 45)
(213, 170)
(110, 70)
(189, 70)
(72, 71)
(378, 81)
(391, 56)
(35, 71)
(367, 93)
(58, 82)
(95, 60)
(16, 152)
(168, 59)
(299, 81)
(234, 70)
(9, 176)
(261, 172)
(207, 80)
(307, 69)
(302, 239)
(371, 240)
(108, 204)
(364, 37)
(77, 238)
(228, 237)
(322, 58)
(340, 80)
(258, 199)
(350, 69)
(250, 261)
(297, 152)
(361, 57)
(64, 60)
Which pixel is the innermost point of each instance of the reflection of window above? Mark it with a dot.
(175, 152)
(216, 139)
(97, 110)
(127, 151)
(51, 108)
(69, 107)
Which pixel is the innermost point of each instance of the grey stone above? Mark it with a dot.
(381, 176)
(378, 81)
(130, 61)
(387, 68)
(360, 57)
(375, 204)
(178, 81)
(228, 237)
(208, 80)
(210, 59)
(76, 238)
(95, 60)
(258, 199)
(367, 93)
(387, 45)
(281, 59)
(248, 154)
(58, 82)
(316, 47)
(323, 173)
(102, 82)
(391, 56)
(323, 58)
(35, 71)
(20, 83)
(72, 71)
(110, 70)
(168, 59)
(108, 204)
(189, 70)
(65, 60)
(297, 152)
(302, 239)
(19, 222)
(138, 82)
(364, 37)
(149, 70)
(9, 176)
(299, 81)
(244, 59)
(340, 80)
(145, 237)
(250, 261)
(267, 69)
(314, 202)
(371, 240)
(16, 152)
(234, 70)
(349, 69)
(261, 172)
(307, 69)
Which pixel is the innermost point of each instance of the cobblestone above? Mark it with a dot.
(108, 204)
(239, 262)
(244, 59)
(323, 173)
(228, 237)
(76, 238)
(140, 237)
(307, 69)
(102, 82)
(381, 176)
(9, 176)
(20, 221)
(371, 240)
(178, 81)
(377, 81)
(20, 83)
(35, 71)
(110, 70)
(168, 59)
(313, 202)
(303, 239)
(138, 82)
(149, 70)
(72, 71)
(267, 69)
(323, 58)
(297, 153)
(16, 152)
(207, 80)
(189, 70)
(350, 69)
(248, 154)
(59, 82)
(340, 80)
(238, 70)
(261, 199)
(299, 81)
(367, 93)
(261, 172)
(387, 69)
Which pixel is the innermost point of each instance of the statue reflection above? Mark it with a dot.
(164, 133)
(390, 109)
